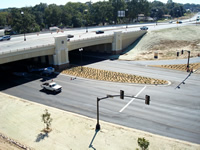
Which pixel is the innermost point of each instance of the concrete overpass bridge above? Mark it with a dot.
(55, 50)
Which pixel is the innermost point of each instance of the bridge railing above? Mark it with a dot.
(134, 31)
(26, 48)
(90, 38)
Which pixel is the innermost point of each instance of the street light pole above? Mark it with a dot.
(86, 20)
(188, 61)
(156, 16)
(22, 13)
(177, 19)
(126, 18)
(80, 50)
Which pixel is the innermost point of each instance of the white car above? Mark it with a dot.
(52, 86)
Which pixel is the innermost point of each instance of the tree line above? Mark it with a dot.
(76, 14)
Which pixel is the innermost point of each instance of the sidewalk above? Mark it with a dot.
(20, 120)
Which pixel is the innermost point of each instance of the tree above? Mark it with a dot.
(16, 21)
(144, 7)
(66, 16)
(177, 11)
(102, 12)
(133, 9)
(118, 5)
(29, 23)
(25, 22)
(3, 18)
(39, 13)
(74, 14)
(156, 13)
(46, 118)
(143, 143)
(53, 15)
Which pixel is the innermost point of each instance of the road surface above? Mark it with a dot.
(172, 112)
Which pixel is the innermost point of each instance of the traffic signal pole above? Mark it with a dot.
(147, 102)
(98, 125)
(188, 61)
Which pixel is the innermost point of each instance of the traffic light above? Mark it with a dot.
(182, 52)
(121, 94)
(147, 99)
(177, 54)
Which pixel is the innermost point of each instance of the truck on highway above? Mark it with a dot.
(2, 32)
(54, 29)
(52, 86)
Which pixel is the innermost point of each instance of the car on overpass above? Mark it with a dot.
(144, 28)
(6, 37)
(70, 36)
(179, 22)
(99, 32)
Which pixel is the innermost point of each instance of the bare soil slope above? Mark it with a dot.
(71, 131)
(166, 43)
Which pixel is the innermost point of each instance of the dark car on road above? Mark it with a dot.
(70, 36)
(144, 28)
(99, 32)
(6, 37)
(179, 22)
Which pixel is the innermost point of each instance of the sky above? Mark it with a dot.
(27, 3)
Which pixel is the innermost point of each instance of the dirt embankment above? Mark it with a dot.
(166, 43)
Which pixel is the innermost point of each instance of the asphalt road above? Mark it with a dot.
(172, 112)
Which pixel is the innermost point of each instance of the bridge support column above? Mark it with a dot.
(43, 59)
(50, 58)
(60, 58)
(35, 59)
(117, 43)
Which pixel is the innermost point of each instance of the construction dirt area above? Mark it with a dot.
(21, 125)
(165, 44)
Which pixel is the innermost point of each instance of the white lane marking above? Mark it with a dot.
(132, 99)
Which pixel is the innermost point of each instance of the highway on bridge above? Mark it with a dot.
(39, 39)
(172, 112)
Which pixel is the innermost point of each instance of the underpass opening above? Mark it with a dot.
(19, 72)
(91, 54)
